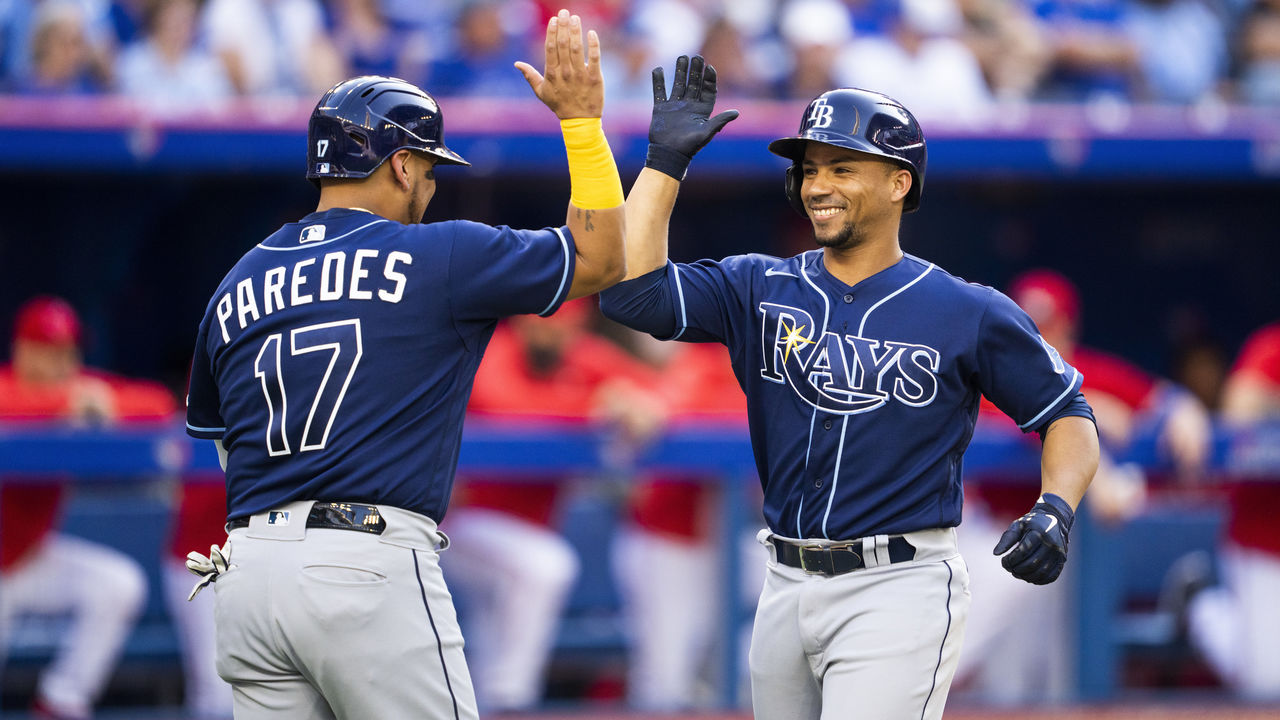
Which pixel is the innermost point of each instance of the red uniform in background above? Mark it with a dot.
(1255, 506)
(667, 561)
(513, 567)
(41, 570)
(1015, 638)
(1235, 624)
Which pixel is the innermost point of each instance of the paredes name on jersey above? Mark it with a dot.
(338, 275)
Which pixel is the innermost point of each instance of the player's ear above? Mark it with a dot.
(901, 183)
(400, 163)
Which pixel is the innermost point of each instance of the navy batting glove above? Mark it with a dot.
(682, 123)
(1036, 543)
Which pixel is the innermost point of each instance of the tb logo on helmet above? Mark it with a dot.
(820, 114)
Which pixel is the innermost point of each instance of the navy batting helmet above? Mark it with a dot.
(361, 122)
(858, 120)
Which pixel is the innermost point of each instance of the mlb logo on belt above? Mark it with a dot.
(278, 517)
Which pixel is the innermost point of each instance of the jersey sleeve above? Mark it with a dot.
(497, 271)
(1018, 371)
(693, 302)
(204, 416)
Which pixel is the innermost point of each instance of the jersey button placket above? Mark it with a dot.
(818, 483)
(827, 424)
(848, 298)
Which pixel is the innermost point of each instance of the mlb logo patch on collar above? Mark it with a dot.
(312, 233)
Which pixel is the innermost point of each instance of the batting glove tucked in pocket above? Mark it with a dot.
(1036, 543)
(208, 568)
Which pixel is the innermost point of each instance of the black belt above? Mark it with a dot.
(336, 516)
(836, 559)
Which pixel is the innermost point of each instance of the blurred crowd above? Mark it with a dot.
(950, 58)
(577, 369)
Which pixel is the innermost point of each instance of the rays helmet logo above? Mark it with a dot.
(844, 374)
(820, 116)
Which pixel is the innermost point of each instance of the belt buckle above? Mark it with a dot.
(817, 548)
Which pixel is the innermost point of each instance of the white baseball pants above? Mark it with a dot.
(1236, 625)
(516, 577)
(880, 643)
(317, 624)
(207, 696)
(1018, 644)
(101, 588)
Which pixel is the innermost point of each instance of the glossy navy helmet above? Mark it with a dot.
(361, 122)
(858, 120)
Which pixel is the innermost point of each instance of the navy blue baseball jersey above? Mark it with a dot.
(336, 358)
(861, 399)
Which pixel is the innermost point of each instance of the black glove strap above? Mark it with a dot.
(667, 161)
(1060, 508)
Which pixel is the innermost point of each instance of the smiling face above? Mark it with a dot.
(850, 196)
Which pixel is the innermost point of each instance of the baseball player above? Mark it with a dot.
(42, 570)
(1235, 624)
(333, 367)
(862, 368)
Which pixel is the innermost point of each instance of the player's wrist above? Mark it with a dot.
(667, 161)
(1059, 507)
(593, 175)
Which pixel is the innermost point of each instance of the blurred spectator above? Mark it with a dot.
(1092, 56)
(728, 52)
(1014, 643)
(482, 63)
(1009, 45)
(62, 61)
(43, 571)
(1235, 625)
(1258, 51)
(668, 29)
(667, 557)
(1181, 49)
(514, 568)
(367, 42)
(1200, 366)
(166, 69)
(64, 23)
(815, 32)
(921, 63)
(273, 47)
(1125, 399)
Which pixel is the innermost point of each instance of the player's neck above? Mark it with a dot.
(853, 265)
(357, 197)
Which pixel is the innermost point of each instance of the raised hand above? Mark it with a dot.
(681, 124)
(571, 85)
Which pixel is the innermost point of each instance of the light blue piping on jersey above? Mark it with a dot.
(684, 315)
(886, 298)
(813, 419)
(835, 477)
(826, 317)
(564, 276)
(1070, 387)
(203, 429)
(323, 242)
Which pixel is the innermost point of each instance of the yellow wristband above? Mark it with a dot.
(593, 176)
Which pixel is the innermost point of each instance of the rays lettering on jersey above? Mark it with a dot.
(843, 374)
